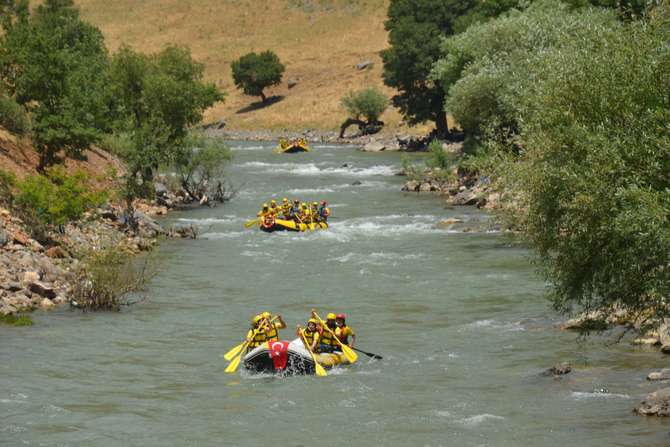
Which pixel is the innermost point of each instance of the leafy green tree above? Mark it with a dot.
(255, 72)
(56, 65)
(416, 28)
(365, 107)
(200, 167)
(161, 96)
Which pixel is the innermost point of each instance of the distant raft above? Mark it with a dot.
(288, 358)
(284, 147)
(270, 224)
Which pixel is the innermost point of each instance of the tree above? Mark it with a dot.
(415, 30)
(255, 72)
(160, 97)
(364, 107)
(200, 168)
(56, 65)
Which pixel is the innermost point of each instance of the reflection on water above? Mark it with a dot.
(461, 320)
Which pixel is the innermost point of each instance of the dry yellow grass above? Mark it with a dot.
(319, 41)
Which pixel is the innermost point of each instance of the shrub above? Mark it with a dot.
(13, 117)
(105, 278)
(56, 198)
(7, 183)
(439, 159)
(368, 103)
(200, 167)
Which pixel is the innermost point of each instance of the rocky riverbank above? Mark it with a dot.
(33, 275)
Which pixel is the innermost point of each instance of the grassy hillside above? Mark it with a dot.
(320, 42)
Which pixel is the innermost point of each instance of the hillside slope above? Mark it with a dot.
(320, 42)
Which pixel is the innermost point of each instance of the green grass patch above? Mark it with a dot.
(16, 320)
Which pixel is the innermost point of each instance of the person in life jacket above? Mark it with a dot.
(314, 212)
(343, 331)
(285, 208)
(257, 334)
(324, 212)
(273, 207)
(305, 215)
(272, 328)
(327, 342)
(295, 211)
(265, 210)
(311, 334)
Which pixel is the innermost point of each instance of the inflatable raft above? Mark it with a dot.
(292, 148)
(271, 224)
(288, 358)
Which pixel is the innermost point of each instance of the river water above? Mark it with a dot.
(461, 320)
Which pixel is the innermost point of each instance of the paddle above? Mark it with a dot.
(369, 354)
(236, 350)
(346, 350)
(232, 367)
(251, 223)
(317, 366)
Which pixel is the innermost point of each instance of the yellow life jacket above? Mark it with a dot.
(311, 336)
(328, 339)
(259, 338)
(272, 334)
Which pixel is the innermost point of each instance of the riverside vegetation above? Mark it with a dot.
(66, 235)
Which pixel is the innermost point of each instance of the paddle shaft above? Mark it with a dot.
(318, 369)
(369, 354)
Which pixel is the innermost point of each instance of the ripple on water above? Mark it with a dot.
(598, 394)
(313, 169)
(478, 419)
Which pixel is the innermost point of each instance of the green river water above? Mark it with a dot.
(461, 320)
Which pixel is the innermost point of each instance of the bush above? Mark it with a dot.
(368, 103)
(439, 159)
(200, 167)
(7, 183)
(13, 117)
(105, 278)
(56, 198)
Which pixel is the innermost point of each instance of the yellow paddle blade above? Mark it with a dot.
(234, 351)
(251, 223)
(349, 353)
(232, 367)
(319, 369)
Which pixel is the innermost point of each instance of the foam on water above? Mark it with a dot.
(212, 220)
(223, 235)
(506, 326)
(311, 169)
(478, 419)
(379, 258)
(583, 395)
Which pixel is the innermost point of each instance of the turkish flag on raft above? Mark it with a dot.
(279, 354)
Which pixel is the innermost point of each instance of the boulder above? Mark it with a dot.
(559, 369)
(4, 238)
(161, 189)
(145, 221)
(47, 269)
(57, 253)
(292, 83)
(42, 289)
(655, 404)
(357, 183)
(11, 286)
(664, 335)
(425, 187)
(364, 64)
(465, 197)
(374, 146)
(411, 185)
(649, 341)
(663, 374)
(47, 304)
(30, 277)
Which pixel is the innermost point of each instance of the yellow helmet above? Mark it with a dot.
(266, 315)
(304, 205)
(315, 204)
(256, 319)
(265, 205)
(313, 320)
(285, 200)
(273, 201)
(330, 316)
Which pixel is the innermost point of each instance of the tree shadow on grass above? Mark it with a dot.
(260, 104)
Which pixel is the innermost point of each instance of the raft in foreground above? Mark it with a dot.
(271, 225)
(288, 358)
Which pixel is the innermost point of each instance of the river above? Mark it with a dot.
(461, 319)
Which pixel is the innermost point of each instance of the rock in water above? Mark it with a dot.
(374, 146)
(655, 404)
(559, 369)
(47, 304)
(663, 374)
